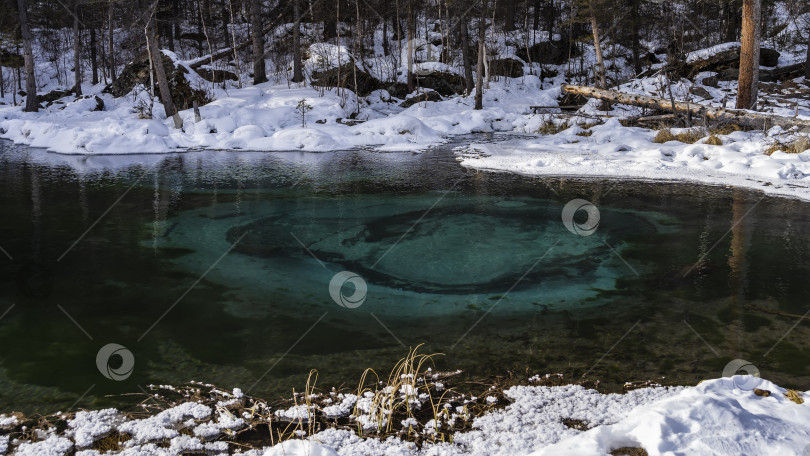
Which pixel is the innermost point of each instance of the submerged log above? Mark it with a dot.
(740, 117)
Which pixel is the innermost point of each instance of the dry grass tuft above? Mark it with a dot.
(713, 140)
(549, 127)
(796, 147)
(725, 129)
(663, 136)
(794, 396)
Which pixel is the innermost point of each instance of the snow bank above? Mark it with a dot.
(714, 418)
(612, 150)
(718, 417)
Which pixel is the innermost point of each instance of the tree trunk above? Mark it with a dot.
(94, 54)
(600, 62)
(745, 118)
(111, 43)
(259, 68)
(466, 57)
(509, 15)
(411, 33)
(31, 103)
(807, 63)
(77, 47)
(163, 83)
(636, 45)
(731, 9)
(749, 55)
(298, 75)
(479, 77)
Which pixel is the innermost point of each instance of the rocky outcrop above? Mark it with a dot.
(429, 95)
(137, 72)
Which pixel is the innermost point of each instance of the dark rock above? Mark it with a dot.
(711, 81)
(99, 104)
(398, 90)
(511, 68)
(443, 82)
(217, 76)
(429, 95)
(548, 53)
(54, 95)
(366, 83)
(700, 92)
(730, 74)
(137, 72)
(768, 57)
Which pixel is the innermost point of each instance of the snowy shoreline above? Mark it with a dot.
(729, 415)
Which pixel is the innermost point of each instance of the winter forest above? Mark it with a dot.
(404, 227)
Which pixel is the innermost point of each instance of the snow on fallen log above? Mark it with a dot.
(740, 117)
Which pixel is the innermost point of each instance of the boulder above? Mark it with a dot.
(366, 83)
(429, 95)
(699, 91)
(54, 95)
(444, 83)
(768, 57)
(217, 76)
(137, 72)
(511, 68)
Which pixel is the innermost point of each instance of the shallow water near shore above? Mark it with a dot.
(216, 267)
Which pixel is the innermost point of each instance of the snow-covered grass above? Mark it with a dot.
(731, 415)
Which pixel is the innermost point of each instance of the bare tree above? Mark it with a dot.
(749, 55)
(482, 49)
(31, 103)
(411, 34)
(600, 61)
(77, 49)
(807, 62)
(259, 68)
(466, 56)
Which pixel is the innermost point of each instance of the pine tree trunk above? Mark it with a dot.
(259, 68)
(509, 15)
(600, 61)
(749, 55)
(77, 47)
(807, 63)
(466, 57)
(298, 75)
(479, 77)
(94, 54)
(111, 44)
(31, 103)
(411, 33)
(636, 45)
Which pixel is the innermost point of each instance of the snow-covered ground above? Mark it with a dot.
(611, 150)
(740, 415)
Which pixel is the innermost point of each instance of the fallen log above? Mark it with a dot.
(739, 117)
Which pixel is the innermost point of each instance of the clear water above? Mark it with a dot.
(216, 267)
